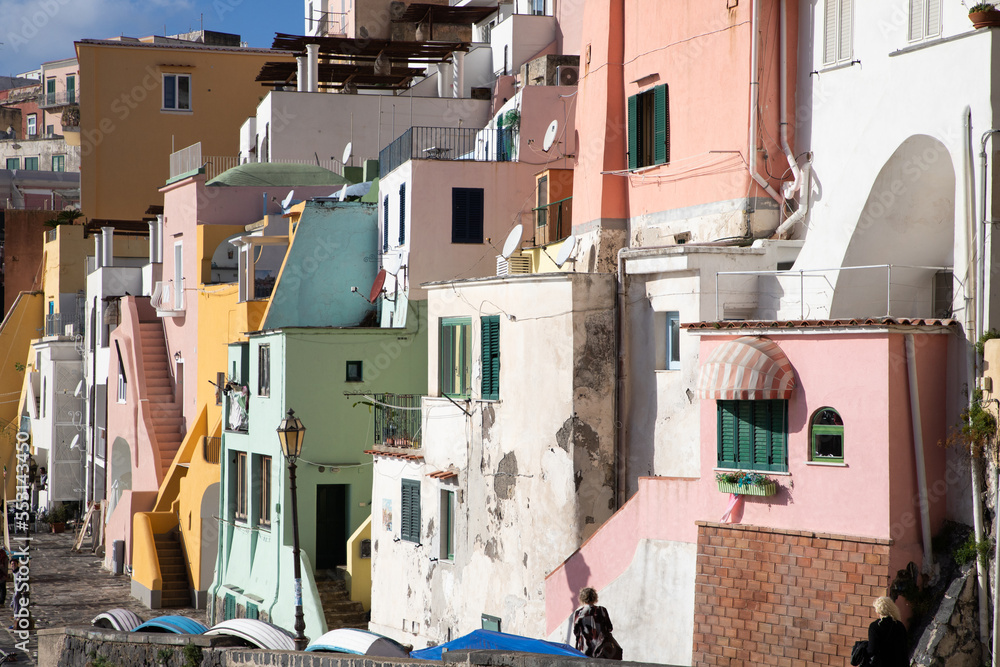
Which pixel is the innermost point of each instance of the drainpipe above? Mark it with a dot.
(312, 68)
(804, 199)
(918, 453)
(621, 455)
(754, 96)
(783, 108)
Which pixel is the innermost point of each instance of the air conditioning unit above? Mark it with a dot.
(515, 264)
(568, 75)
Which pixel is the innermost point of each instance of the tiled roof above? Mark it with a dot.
(813, 324)
(443, 474)
(395, 454)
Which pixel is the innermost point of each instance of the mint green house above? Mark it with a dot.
(318, 355)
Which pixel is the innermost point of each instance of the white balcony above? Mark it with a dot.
(168, 298)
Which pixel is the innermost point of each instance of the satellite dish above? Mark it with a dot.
(347, 152)
(513, 240)
(343, 193)
(550, 135)
(568, 246)
(287, 201)
(391, 263)
(377, 286)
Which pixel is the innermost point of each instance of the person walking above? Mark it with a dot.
(592, 628)
(887, 641)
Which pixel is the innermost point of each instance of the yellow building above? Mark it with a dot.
(141, 101)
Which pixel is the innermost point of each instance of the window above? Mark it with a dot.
(447, 525)
(542, 202)
(31, 163)
(491, 357)
(50, 91)
(409, 523)
(753, 435)
(179, 275)
(673, 356)
(263, 491)
(58, 163)
(925, 19)
(122, 380)
(466, 215)
(32, 124)
(385, 224)
(220, 386)
(50, 130)
(264, 370)
(838, 40)
(491, 623)
(177, 92)
(649, 128)
(70, 89)
(13, 163)
(355, 371)
(827, 436)
(41, 410)
(454, 356)
(239, 485)
(402, 213)
(538, 7)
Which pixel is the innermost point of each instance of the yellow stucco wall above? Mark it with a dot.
(196, 527)
(19, 327)
(121, 115)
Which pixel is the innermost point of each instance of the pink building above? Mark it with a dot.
(825, 410)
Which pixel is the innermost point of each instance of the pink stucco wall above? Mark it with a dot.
(701, 50)
(873, 494)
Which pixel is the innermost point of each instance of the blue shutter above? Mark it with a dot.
(402, 213)
(633, 132)
(661, 125)
(491, 357)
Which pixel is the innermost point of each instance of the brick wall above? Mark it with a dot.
(779, 597)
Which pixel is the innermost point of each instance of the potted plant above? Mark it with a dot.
(57, 518)
(984, 14)
(746, 483)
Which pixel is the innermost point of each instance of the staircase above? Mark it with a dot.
(163, 409)
(339, 610)
(173, 571)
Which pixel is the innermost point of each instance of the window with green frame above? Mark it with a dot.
(13, 163)
(826, 436)
(753, 435)
(649, 127)
(31, 164)
(491, 357)
(409, 521)
(447, 525)
(454, 354)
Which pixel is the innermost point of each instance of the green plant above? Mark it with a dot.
(743, 477)
(977, 429)
(19, 367)
(987, 335)
(58, 514)
(512, 119)
(97, 660)
(71, 116)
(64, 218)
(971, 549)
(982, 7)
(192, 655)
(163, 655)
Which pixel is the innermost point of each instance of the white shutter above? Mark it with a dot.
(830, 33)
(844, 52)
(917, 20)
(933, 18)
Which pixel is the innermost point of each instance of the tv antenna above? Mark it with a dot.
(550, 135)
(513, 241)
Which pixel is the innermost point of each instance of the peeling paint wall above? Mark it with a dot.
(535, 469)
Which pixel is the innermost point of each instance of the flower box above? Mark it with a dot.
(985, 19)
(756, 489)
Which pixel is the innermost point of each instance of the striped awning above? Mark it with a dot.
(748, 368)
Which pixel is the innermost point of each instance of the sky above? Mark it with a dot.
(37, 31)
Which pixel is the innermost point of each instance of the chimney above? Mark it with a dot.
(312, 53)
(109, 245)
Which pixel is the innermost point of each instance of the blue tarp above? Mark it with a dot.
(488, 640)
(180, 625)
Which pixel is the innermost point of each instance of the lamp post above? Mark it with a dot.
(291, 433)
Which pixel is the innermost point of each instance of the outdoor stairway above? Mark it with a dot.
(173, 570)
(339, 610)
(163, 409)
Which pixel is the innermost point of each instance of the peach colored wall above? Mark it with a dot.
(863, 377)
(569, 26)
(701, 51)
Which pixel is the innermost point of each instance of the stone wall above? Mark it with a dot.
(952, 638)
(773, 597)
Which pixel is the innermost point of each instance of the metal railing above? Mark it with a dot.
(397, 420)
(896, 290)
(60, 98)
(212, 448)
(53, 324)
(448, 143)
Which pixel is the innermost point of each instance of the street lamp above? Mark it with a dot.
(291, 433)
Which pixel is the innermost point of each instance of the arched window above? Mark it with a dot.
(827, 436)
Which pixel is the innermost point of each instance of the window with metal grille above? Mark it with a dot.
(490, 338)
(753, 435)
(838, 27)
(409, 523)
(467, 215)
(649, 128)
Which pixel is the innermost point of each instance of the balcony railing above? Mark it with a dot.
(212, 447)
(397, 421)
(448, 143)
(168, 298)
(60, 98)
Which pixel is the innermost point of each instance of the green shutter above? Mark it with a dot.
(633, 132)
(779, 436)
(252, 611)
(753, 435)
(661, 129)
(491, 357)
(409, 523)
(762, 436)
(727, 434)
(228, 608)
(744, 433)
